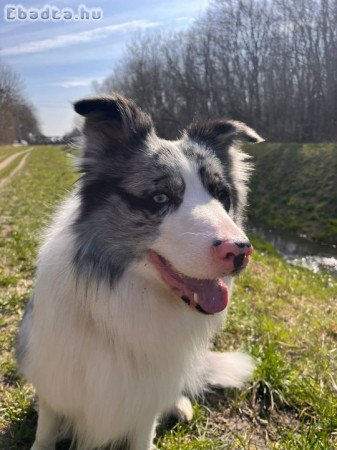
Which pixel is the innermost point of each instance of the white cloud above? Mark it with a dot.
(76, 82)
(65, 40)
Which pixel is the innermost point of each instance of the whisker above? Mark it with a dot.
(197, 234)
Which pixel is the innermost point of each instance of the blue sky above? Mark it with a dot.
(58, 60)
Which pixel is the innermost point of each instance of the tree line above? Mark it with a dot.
(269, 63)
(18, 120)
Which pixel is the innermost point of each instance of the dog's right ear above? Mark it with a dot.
(114, 117)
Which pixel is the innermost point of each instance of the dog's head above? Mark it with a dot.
(178, 204)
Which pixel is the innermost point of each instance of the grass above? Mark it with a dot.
(285, 316)
(295, 187)
(5, 152)
(11, 166)
(8, 150)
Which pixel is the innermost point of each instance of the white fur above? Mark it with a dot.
(230, 369)
(111, 361)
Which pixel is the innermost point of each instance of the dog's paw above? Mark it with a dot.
(229, 369)
(182, 410)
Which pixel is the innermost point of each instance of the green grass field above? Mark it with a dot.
(283, 315)
(294, 187)
(8, 150)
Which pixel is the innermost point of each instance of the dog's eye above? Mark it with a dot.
(161, 198)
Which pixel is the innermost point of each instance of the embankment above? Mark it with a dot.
(294, 187)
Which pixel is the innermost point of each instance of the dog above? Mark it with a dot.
(133, 279)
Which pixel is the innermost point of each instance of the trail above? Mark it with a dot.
(8, 161)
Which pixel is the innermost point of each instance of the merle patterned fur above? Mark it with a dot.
(125, 165)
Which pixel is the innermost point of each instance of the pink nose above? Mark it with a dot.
(233, 256)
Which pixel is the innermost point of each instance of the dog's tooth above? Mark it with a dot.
(195, 298)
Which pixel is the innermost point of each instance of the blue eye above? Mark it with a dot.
(161, 198)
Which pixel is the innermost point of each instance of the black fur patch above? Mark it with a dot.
(222, 137)
(217, 137)
(216, 185)
(95, 192)
(211, 173)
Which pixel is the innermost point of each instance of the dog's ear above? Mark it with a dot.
(115, 117)
(221, 133)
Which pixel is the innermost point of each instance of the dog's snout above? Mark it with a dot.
(232, 256)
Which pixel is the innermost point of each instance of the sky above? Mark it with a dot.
(59, 59)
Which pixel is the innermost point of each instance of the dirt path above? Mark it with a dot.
(8, 161)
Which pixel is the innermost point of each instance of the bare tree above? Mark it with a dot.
(17, 117)
(271, 63)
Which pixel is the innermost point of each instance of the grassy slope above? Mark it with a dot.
(295, 187)
(285, 316)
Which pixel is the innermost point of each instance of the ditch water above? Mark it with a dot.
(299, 250)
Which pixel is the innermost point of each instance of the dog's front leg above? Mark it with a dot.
(143, 435)
(47, 428)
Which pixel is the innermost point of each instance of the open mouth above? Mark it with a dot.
(206, 296)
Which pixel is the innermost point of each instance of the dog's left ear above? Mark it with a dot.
(220, 134)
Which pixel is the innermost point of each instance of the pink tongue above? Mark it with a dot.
(211, 295)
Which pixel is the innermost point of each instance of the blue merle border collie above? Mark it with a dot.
(133, 279)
